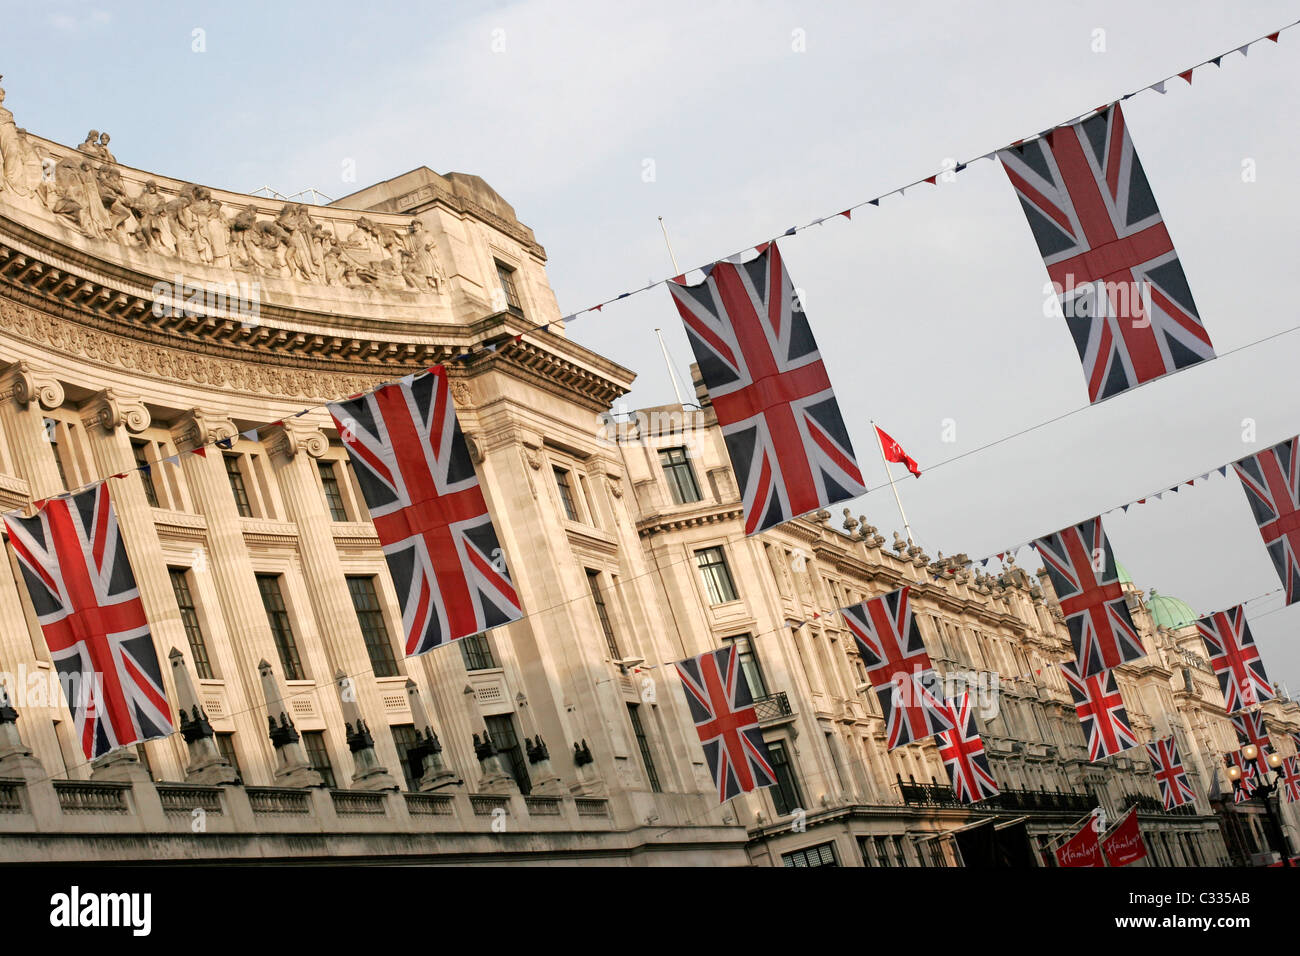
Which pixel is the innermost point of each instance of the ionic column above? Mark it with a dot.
(232, 576)
(294, 447)
(24, 390)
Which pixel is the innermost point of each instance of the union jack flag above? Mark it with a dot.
(1250, 730)
(85, 597)
(963, 755)
(1100, 707)
(722, 707)
(1083, 572)
(438, 539)
(1235, 659)
(889, 640)
(1167, 765)
(1121, 285)
(1249, 779)
(1291, 777)
(779, 417)
(1272, 483)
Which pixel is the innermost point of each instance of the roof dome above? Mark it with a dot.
(1170, 612)
(1124, 576)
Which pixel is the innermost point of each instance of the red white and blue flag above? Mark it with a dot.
(889, 639)
(788, 445)
(1082, 569)
(1272, 483)
(1235, 659)
(962, 752)
(418, 480)
(722, 707)
(83, 591)
(1100, 707)
(1291, 778)
(1121, 285)
(1249, 725)
(1167, 765)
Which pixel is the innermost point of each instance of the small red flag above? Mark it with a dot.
(1273, 36)
(1082, 849)
(893, 451)
(931, 180)
(1124, 845)
(847, 214)
(1187, 75)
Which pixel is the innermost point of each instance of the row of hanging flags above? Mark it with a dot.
(1127, 306)
(1090, 845)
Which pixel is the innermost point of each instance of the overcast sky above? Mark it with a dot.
(754, 117)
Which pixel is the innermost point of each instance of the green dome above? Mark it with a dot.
(1124, 576)
(1169, 611)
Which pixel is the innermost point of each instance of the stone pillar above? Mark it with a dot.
(368, 773)
(294, 447)
(206, 765)
(291, 766)
(247, 629)
(24, 390)
(546, 782)
(435, 775)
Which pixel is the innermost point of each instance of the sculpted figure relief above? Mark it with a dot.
(87, 192)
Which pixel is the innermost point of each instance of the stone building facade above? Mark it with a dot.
(142, 317)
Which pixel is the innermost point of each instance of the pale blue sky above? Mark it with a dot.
(929, 308)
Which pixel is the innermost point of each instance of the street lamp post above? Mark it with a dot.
(1265, 790)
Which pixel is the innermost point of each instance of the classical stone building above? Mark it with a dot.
(142, 318)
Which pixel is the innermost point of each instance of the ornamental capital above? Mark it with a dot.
(291, 436)
(110, 410)
(199, 428)
(24, 383)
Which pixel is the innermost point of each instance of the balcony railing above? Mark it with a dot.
(940, 795)
(1149, 804)
(772, 707)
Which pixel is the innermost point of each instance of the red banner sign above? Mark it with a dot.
(1125, 844)
(1082, 849)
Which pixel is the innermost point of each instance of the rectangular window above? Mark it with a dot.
(236, 477)
(371, 618)
(602, 612)
(277, 615)
(717, 576)
(226, 745)
(404, 739)
(52, 436)
(821, 855)
(140, 451)
(785, 795)
(190, 620)
(680, 475)
(477, 652)
(333, 495)
(502, 731)
(749, 665)
(313, 745)
(566, 493)
(647, 758)
(507, 277)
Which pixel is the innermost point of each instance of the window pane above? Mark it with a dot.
(502, 731)
(277, 615)
(236, 478)
(190, 620)
(566, 493)
(313, 744)
(647, 758)
(333, 496)
(140, 450)
(404, 738)
(680, 475)
(226, 744)
(508, 287)
(785, 795)
(602, 613)
(749, 665)
(477, 652)
(378, 645)
(717, 576)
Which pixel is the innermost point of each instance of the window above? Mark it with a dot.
(140, 451)
(785, 795)
(680, 475)
(404, 738)
(508, 288)
(313, 744)
(226, 745)
(602, 612)
(502, 731)
(821, 855)
(566, 494)
(477, 652)
(717, 576)
(749, 665)
(277, 615)
(236, 477)
(333, 495)
(647, 758)
(366, 603)
(190, 620)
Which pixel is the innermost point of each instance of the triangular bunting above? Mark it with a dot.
(1273, 36)
(875, 202)
(1217, 61)
(847, 214)
(1187, 75)
(933, 180)
(1158, 87)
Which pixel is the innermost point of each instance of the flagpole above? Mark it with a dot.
(897, 500)
(672, 375)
